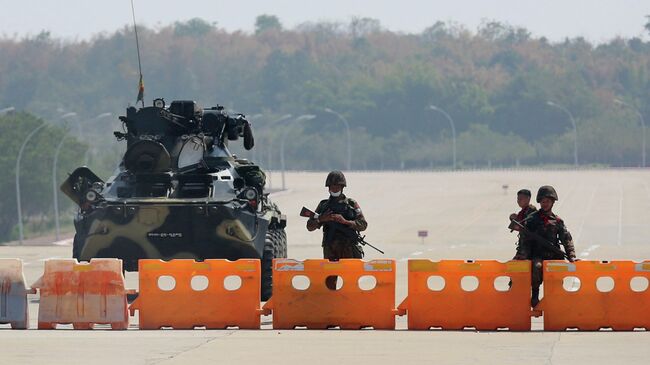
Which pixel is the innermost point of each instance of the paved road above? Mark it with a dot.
(465, 214)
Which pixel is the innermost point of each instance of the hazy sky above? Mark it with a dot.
(596, 20)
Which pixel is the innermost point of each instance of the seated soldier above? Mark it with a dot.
(545, 233)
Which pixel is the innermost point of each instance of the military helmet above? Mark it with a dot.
(546, 191)
(335, 177)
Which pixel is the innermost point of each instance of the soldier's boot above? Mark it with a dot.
(534, 299)
(537, 277)
(330, 282)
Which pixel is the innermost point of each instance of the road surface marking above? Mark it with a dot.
(66, 242)
(588, 251)
(587, 210)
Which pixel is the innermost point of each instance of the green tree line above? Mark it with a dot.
(36, 167)
(495, 82)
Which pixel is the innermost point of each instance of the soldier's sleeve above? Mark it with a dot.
(567, 241)
(321, 207)
(313, 224)
(532, 224)
(360, 223)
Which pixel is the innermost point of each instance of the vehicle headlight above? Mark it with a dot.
(250, 194)
(159, 103)
(91, 195)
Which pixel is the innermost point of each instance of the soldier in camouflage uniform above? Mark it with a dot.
(341, 219)
(552, 229)
(523, 200)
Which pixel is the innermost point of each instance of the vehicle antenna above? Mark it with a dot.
(137, 45)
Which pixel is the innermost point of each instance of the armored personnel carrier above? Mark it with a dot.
(179, 193)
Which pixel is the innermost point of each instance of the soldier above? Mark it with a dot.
(523, 200)
(341, 219)
(544, 229)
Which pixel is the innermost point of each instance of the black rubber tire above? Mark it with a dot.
(77, 245)
(275, 246)
(280, 249)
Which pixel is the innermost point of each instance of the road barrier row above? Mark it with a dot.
(590, 295)
(82, 294)
(184, 294)
(456, 294)
(320, 294)
(360, 294)
(13, 294)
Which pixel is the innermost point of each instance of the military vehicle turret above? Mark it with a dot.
(179, 193)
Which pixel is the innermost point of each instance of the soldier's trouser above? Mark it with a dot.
(537, 274)
(334, 252)
(537, 277)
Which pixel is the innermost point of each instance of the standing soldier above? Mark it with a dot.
(341, 219)
(523, 200)
(543, 235)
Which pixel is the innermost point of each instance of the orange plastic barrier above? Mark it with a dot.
(584, 306)
(83, 294)
(449, 306)
(198, 294)
(313, 305)
(13, 294)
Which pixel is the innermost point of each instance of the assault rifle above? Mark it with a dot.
(335, 226)
(539, 239)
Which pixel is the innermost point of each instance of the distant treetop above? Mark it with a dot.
(267, 22)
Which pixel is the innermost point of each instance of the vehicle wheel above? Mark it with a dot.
(275, 246)
(282, 246)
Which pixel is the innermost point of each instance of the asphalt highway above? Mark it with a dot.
(465, 214)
